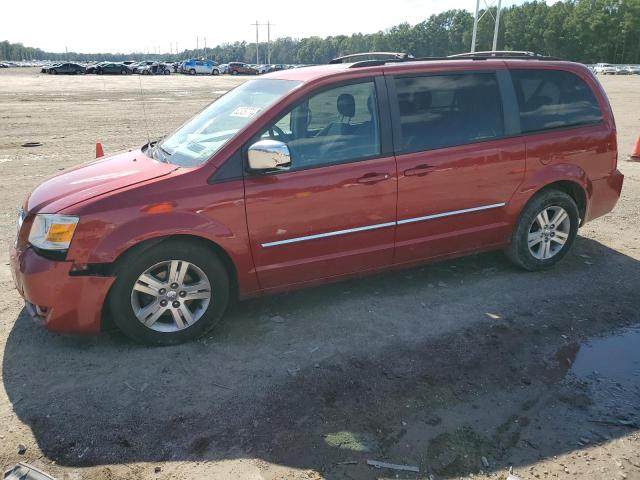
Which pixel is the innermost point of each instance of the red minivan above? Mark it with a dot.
(316, 174)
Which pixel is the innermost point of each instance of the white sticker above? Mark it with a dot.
(245, 112)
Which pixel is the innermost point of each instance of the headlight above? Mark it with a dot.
(52, 232)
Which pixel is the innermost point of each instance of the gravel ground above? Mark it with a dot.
(463, 368)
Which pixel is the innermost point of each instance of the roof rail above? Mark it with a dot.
(375, 59)
(378, 56)
(502, 54)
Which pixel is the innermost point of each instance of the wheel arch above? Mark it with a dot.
(215, 248)
(565, 177)
(572, 188)
(143, 245)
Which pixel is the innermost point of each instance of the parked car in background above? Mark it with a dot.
(155, 69)
(112, 68)
(223, 68)
(511, 154)
(138, 67)
(622, 70)
(199, 67)
(605, 69)
(66, 68)
(45, 68)
(240, 68)
(633, 69)
(92, 67)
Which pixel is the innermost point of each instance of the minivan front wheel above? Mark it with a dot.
(175, 292)
(545, 231)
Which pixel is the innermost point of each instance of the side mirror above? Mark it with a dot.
(267, 155)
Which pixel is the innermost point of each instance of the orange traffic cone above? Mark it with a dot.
(99, 151)
(635, 154)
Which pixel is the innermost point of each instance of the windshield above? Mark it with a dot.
(202, 136)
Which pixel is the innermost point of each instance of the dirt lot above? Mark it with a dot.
(464, 368)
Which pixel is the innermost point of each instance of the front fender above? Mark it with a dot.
(121, 237)
(103, 242)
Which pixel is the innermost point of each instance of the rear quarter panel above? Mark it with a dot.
(583, 154)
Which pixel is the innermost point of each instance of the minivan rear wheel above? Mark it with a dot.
(545, 231)
(175, 292)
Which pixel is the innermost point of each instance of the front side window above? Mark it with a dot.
(440, 111)
(202, 136)
(333, 126)
(551, 99)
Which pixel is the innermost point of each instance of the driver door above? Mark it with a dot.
(333, 211)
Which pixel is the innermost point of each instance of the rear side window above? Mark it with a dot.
(439, 111)
(551, 99)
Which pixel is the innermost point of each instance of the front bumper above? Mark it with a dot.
(55, 299)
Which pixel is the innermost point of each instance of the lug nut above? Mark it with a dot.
(176, 304)
(174, 286)
(163, 303)
(162, 291)
(183, 294)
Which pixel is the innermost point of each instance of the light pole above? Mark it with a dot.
(477, 19)
(497, 27)
(475, 27)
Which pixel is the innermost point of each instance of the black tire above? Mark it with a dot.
(53, 72)
(133, 264)
(519, 252)
(192, 72)
(234, 72)
(99, 72)
(215, 72)
(123, 72)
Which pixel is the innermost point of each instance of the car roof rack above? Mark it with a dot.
(371, 59)
(502, 54)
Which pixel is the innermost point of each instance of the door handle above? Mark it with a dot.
(419, 171)
(370, 178)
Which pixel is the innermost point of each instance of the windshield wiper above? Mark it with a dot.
(155, 146)
(167, 154)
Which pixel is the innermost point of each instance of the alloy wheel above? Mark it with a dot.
(171, 296)
(549, 232)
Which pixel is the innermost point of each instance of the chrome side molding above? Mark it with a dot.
(381, 225)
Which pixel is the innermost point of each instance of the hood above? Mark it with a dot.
(92, 179)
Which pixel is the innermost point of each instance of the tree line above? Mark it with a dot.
(587, 31)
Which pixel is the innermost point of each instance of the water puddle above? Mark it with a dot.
(616, 358)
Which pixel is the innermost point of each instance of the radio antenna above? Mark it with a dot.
(144, 111)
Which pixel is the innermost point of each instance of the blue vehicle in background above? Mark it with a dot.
(199, 67)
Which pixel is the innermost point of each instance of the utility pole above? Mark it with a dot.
(205, 47)
(257, 42)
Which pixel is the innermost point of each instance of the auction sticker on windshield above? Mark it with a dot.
(245, 112)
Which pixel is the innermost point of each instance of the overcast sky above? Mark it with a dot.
(143, 25)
